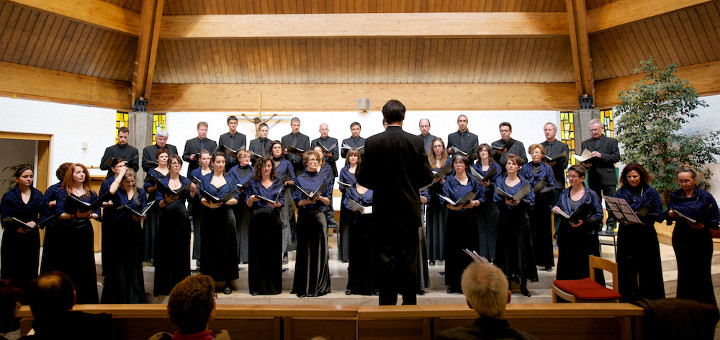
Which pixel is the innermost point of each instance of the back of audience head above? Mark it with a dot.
(10, 300)
(191, 304)
(486, 289)
(50, 293)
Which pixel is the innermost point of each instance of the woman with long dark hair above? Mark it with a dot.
(435, 211)
(68, 246)
(20, 250)
(283, 168)
(638, 257)
(219, 246)
(361, 271)
(242, 173)
(265, 260)
(487, 212)
(691, 240)
(536, 172)
(123, 251)
(172, 240)
(347, 176)
(195, 207)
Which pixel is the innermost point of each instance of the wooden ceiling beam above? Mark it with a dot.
(343, 97)
(29, 82)
(580, 47)
(355, 25)
(94, 12)
(622, 12)
(150, 17)
(703, 77)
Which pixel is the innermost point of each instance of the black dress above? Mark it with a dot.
(123, 253)
(312, 273)
(461, 230)
(435, 219)
(68, 248)
(361, 269)
(265, 245)
(693, 247)
(514, 254)
(488, 213)
(540, 214)
(218, 242)
(346, 218)
(150, 224)
(172, 242)
(19, 254)
(242, 174)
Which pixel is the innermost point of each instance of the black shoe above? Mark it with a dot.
(348, 292)
(227, 291)
(284, 270)
(524, 291)
(548, 268)
(432, 263)
(254, 293)
(421, 292)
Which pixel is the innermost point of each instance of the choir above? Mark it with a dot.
(240, 205)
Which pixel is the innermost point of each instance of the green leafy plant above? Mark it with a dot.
(651, 115)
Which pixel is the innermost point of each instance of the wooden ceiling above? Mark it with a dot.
(325, 54)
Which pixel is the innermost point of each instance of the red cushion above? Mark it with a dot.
(586, 289)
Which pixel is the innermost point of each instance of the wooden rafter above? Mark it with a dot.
(365, 25)
(703, 77)
(343, 97)
(150, 16)
(580, 47)
(94, 12)
(626, 11)
(62, 87)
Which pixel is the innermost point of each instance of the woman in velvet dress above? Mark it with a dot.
(361, 273)
(514, 254)
(577, 240)
(195, 207)
(283, 167)
(68, 246)
(265, 266)
(461, 221)
(20, 250)
(347, 176)
(435, 211)
(109, 211)
(172, 240)
(638, 257)
(51, 193)
(219, 246)
(487, 212)
(123, 251)
(242, 173)
(692, 242)
(153, 215)
(535, 172)
(312, 274)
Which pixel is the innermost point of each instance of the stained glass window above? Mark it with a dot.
(158, 123)
(606, 116)
(121, 120)
(567, 135)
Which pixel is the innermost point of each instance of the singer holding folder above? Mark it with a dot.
(638, 257)
(542, 180)
(20, 248)
(487, 212)
(265, 261)
(68, 245)
(361, 269)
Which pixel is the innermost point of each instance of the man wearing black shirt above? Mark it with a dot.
(507, 146)
(233, 140)
(355, 141)
(297, 140)
(195, 145)
(601, 174)
(260, 145)
(329, 157)
(425, 134)
(463, 139)
(554, 147)
(121, 150)
(150, 151)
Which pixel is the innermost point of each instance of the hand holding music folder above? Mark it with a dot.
(315, 194)
(295, 150)
(152, 180)
(228, 151)
(355, 206)
(518, 196)
(213, 199)
(541, 187)
(556, 158)
(482, 178)
(456, 150)
(74, 204)
(585, 157)
(25, 225)
(621, 210)
(110, 160)
(277, 197)
(444, 171)
(462, 201)
(580, 213)
(136, 213)
(166, 191)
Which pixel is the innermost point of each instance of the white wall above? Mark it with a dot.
(14, 152)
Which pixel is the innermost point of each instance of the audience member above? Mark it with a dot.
(10, 297)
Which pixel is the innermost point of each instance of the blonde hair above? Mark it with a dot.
(485, 288)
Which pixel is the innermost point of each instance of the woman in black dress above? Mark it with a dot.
(346, 180)
(514, 254)
(487, 212)
(312, 273)
(638, 257)
(577, 240)
(536, 172)
(172, 240)
(435, 211)
(691, 240)
(20, 248)
(123, 250)
(461, 221)
(242, 173)
(265, 260)
(219, 246)
(68, 246)
(152, 221)
(361, 273)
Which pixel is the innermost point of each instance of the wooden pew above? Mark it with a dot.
(544, 321)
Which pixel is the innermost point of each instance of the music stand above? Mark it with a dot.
(621, 210)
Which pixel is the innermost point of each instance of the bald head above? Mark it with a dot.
(324, 130)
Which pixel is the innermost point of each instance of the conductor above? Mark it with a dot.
(395, 167)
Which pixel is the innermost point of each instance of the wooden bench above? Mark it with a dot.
(545, 321)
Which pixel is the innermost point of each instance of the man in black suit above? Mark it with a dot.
(601, 168)
(554, 147)
(233, 140)
(463, 139)
(120, 150)
(329, 157)
(425, 134)
(507, 146)
(355, 141)
(193, 147)
(297, 140)
(150, 151)
(395, 167)
(261, 144)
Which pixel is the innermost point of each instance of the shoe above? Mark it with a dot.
(421, 292)
(348, 292)
(227, 291)
(254, 293)
(548, 268)
(432, 263)
(525, 291)
(284, 270)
